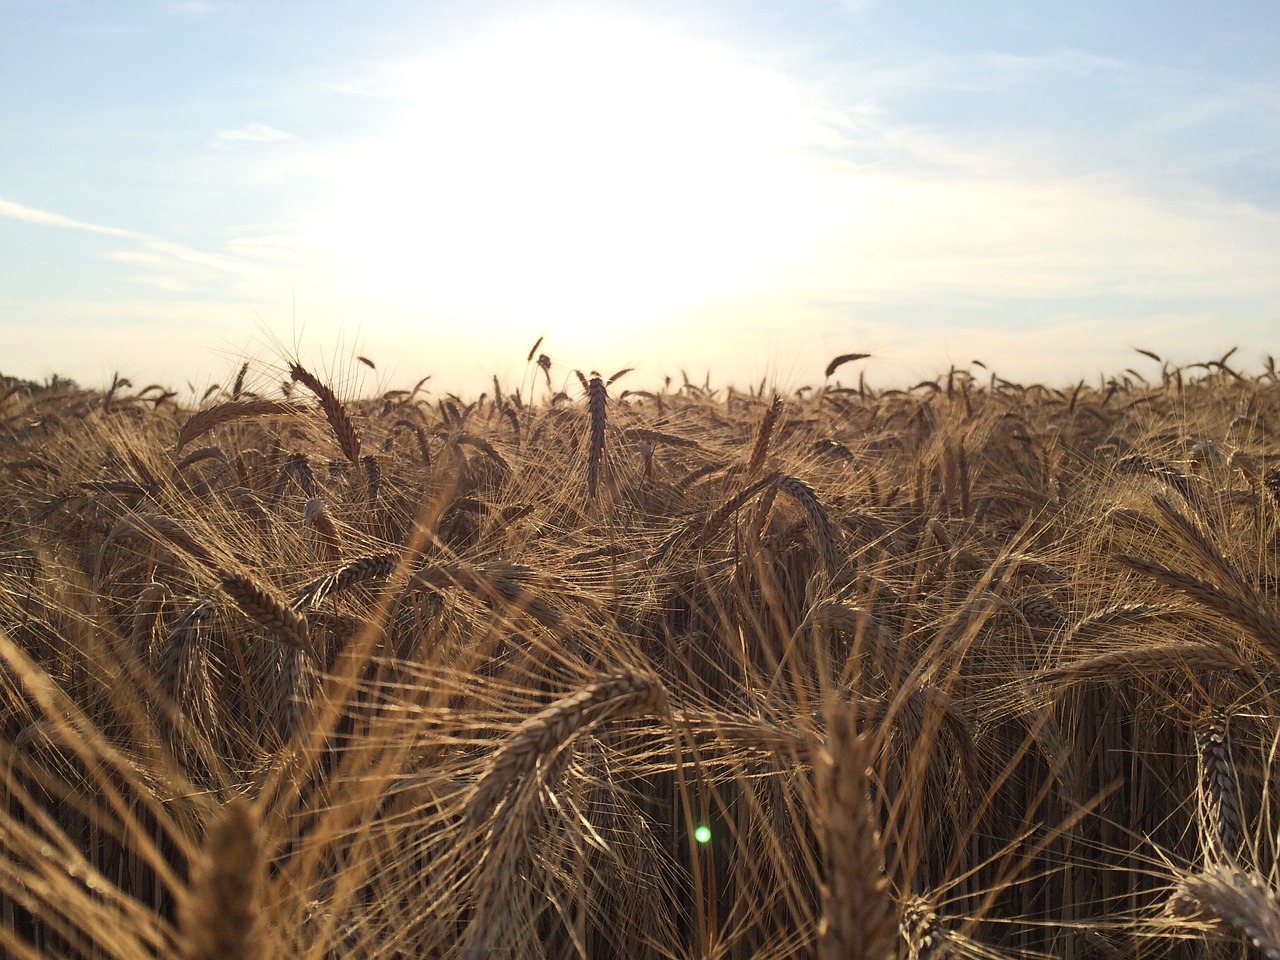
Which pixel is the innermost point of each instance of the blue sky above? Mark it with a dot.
(748, 188)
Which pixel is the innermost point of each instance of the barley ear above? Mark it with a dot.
(199, 424)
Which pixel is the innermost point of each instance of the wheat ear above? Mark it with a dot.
(596, 406)
(199, 454)
(1219, 789)
(1262, 624)
(147, 611)
(315, 517)
(1242, 900)
(261, 605)
(343, 429)
(622, 695)
(645, 435)
(842, 359)
(361, 570)
(858, 921)
(823, 531)
(155, 526)
(489, 583)
(760, 448)
(221, 910)
(1123, 664)
(924, 933)
(198, 424)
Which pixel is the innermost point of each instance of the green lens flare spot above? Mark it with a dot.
(702, 834)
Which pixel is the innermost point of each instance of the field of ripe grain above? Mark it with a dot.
(972, 669)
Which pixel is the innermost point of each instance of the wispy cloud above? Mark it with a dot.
(160, 264)
(17, 211)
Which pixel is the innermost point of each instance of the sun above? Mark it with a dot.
(578, 175)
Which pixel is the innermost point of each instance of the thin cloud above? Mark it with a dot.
(17, 211)
(166, 260)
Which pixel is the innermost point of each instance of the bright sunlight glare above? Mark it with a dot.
(580, 177)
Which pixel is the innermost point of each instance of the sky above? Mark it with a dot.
(736, 188)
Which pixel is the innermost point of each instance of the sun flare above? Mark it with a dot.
(578, 175)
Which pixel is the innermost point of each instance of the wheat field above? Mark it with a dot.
(970, 669)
